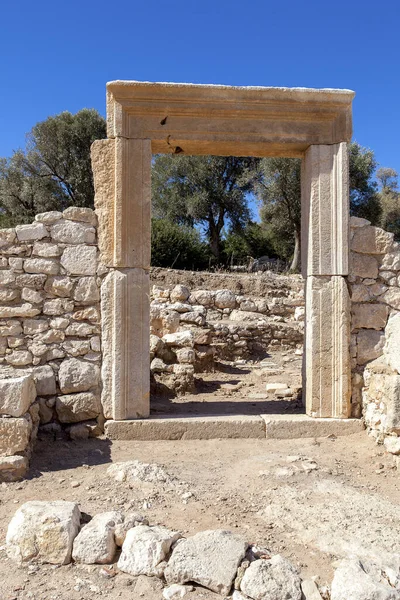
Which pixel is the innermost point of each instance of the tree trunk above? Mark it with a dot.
(296, 255)
(214, 244)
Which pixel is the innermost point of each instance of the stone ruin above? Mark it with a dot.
(75, 293)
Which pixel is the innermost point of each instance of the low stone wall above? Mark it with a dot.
(50, 316)
(192, 328)
(375, 345)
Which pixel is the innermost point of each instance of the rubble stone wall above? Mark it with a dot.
(50, 320)
(374, 283)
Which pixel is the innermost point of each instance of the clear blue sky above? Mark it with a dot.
(59, 55)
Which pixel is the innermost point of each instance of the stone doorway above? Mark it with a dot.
(146, 118)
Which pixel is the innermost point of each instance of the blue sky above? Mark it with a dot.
(58, 55)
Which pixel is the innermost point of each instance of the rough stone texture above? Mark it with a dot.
(80, 260)
(13, 468)
(43, 532)
(210, 558)
(272, 578)
(392, 346)
(14, 435)
(72, 408)
(144, 549)
(370, 345)
(95, 543)
(16, 394)
(371, 240)
(369, 316)
(356, 580)
(77, 375)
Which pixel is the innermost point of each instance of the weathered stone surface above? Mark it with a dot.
(19, 358)
(370, 345)
(29, 233)
(7, 237)
(68, 232)
(87, 291)
(203, 297)
(356, 580)
(130, 520)
(144, 549)
(210, 558)
(310, 590)
(57, 306)
(371, 240)
(14, 435)
(363, 266)
(358, 222)
(49, 217)
(179, 339)
(382, 391)
(46, 250)
(43, 532)
(272, 578)
(77, 375)
(392, 346)
(77, 213)
(95, 542)
(176, 591)
(47, 266)
(392, 444)
(59, 286)
(180, 293)
(225, 299)
(369, 316)
(80, 260)
(103, 166)
(17, 393)
(391, 262)
(72, 408)
(13, 468)
(392, 297)
(25, 310)
(327, 370)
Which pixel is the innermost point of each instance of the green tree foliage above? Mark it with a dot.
(389, 199)
(208, 191)
(54, 171)
(364, 199)
(253, 241)
(177, 246)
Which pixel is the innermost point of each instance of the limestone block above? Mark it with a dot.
(70, 232)
(72, 408)
(25, 310)
(179, 339)
(392, 346)
(383, 389)
(180, 293)
(53, 336)
(43, 532)
(186, 356)
(57, 306)
(130, 520)
(95, 542)
(16, 394)
(371, 240)
(33, 296)
(10, 328)
(325, 210)
(80, 260)
(45, 380)
(30, 233)
(91, 313)
(49, 217)
(360, 293)
(7, 237)
(125, 340)
(87, 291)
(19, 358)
(7, 296)
(14, 435)
(369, 316)
(356, 580)
(13, 468)
(59, 286)
(46, 250)
(392, 297)
(47, 266)
(76, 375)
(392, 444)
(210, 558)
(15, 264)
(35, 281)
(76, 213)
(80, 329)
(272, 578)
(225, 299)
(59, 323)
(6, 277)
(391, 262)
(202, 297)
(363, 266)
(76, 347)
(358, 222)
(32, 326)
(145, 548)
(370, 345)
(327, 357)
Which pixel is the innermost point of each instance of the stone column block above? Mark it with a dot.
(325, 210)
(125, 304)
(327, 371)
(122, 179)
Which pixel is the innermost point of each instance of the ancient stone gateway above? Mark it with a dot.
(147, 118)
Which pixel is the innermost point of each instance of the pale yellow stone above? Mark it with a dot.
(14, 435)
(371, 240)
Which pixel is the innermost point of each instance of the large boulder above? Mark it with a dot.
(145, 549)
(72, 408)
(95, 543)
(356, 580)
(43, 532)
(210, 558)
(275, 578)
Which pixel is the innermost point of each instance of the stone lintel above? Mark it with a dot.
(327, 370)
(325, 210)
(125, 306)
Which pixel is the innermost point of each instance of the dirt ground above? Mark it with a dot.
(311, 500)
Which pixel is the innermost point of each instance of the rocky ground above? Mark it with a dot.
(312, 501)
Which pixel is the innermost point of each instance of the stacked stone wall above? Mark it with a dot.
(50, 315)
(374, 283)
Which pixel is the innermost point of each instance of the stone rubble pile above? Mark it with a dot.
(192, 329)
(49, 327)
(374, 283)
(221, 561)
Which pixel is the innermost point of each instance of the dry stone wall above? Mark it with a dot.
(375, 344)
(50, 324)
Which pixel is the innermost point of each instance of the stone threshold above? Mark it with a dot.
(180, 427)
